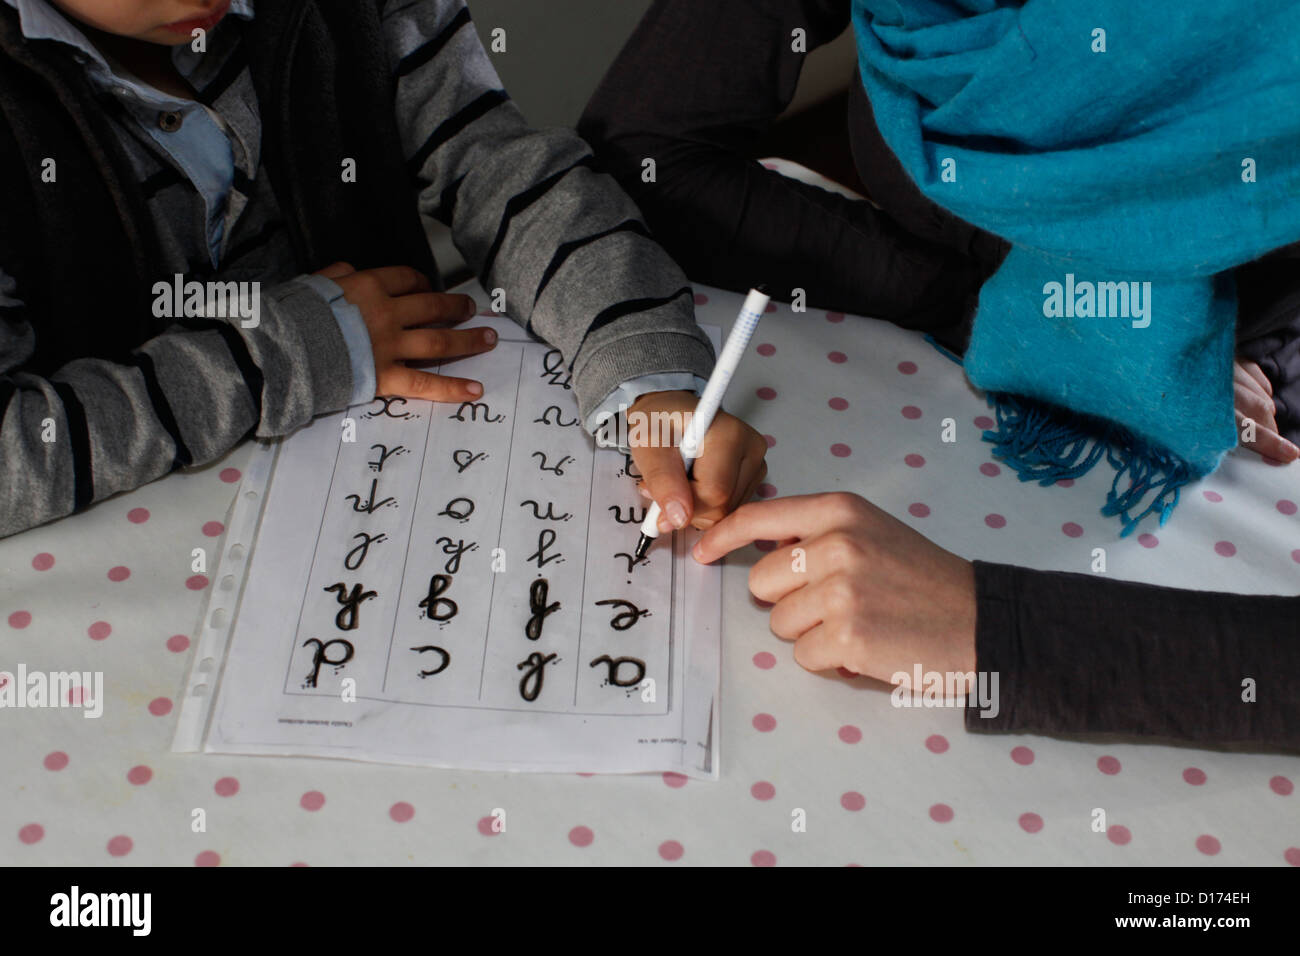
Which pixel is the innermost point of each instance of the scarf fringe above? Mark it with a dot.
(1047, 444)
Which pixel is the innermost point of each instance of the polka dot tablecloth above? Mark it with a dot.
(816, 769)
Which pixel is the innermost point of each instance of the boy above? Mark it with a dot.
(147, 144)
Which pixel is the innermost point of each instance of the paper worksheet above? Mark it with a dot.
(453, 585)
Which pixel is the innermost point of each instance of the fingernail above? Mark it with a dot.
(645, 492)
(471, 307)
(698, 553)
(676, 514)
(663, 525)
(489, 336)
(474, 388)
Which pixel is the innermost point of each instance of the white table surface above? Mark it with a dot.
(112, 590)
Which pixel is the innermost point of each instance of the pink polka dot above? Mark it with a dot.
(990, 469)
(196, 582)
(119, 573)
(581, 836)
(230, 475)
(914, 461)
(671, 850)
(312, 800)
(226, 787)
(401, 811)
(1148, 540)
(1286, 506)
(99, 630)
(1207, 844)
(762, 791)
(20, 619)
(213, 529)
(56, 760)
(936, 743)
(918, 510)
(78, 696)
(1064, 482)
(1225, 549)
(1072, 530)
(911, 412)
(1022, 755)
(160, 706)
(32, 833)
(1194, 775)
(1281, 786)
(43, 561)
(766, 349)
(941, 813)
(178, 643)
(675, 780)
(1211, 496)
(907, 368)
(766, 491)
(852, 801)
(764, 723)
(139, 775)
(701, 299)
(764, 660)
(208, 857)
(120, 846)
(771, 307)
(771, 441)
(850, 734)
(984, 422)
(839, 404)
(834, 316)
(995, 521)
(839, 358)
(1031, 822)
(138, 515)
(1292, 855)
(297, 864)
(763, 858)
(1118, 834)
(1295, 555)
(766, 393)
(841, 450)
(488, 826)
(1108, 765)
(765, 546)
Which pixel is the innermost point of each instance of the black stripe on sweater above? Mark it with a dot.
(446, 210)
(226, 76)
(619, 309)
(521, 201)
(430, 48)
(165, 177)
(83, 479)
(448, 128)
(569, 248)
(163, 409)
(243, 359)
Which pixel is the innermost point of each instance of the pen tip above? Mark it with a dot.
(642, 546)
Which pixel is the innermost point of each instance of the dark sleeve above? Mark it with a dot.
(1078, 654)
(695, 90)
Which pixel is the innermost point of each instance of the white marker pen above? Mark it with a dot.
(710, 401)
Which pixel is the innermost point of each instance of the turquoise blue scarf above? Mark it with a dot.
(1132, 153)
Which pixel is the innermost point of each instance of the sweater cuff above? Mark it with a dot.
(356, 337)
(602, 369)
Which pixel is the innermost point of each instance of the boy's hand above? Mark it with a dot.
(725, 475)
(868, 593)
(1253, 399)
(394, 302)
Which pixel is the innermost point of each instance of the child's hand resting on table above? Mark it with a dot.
(724, 476)
(1253, 399)
(392, 302)
(868, 593)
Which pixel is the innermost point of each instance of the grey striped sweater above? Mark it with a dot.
(529, 215)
